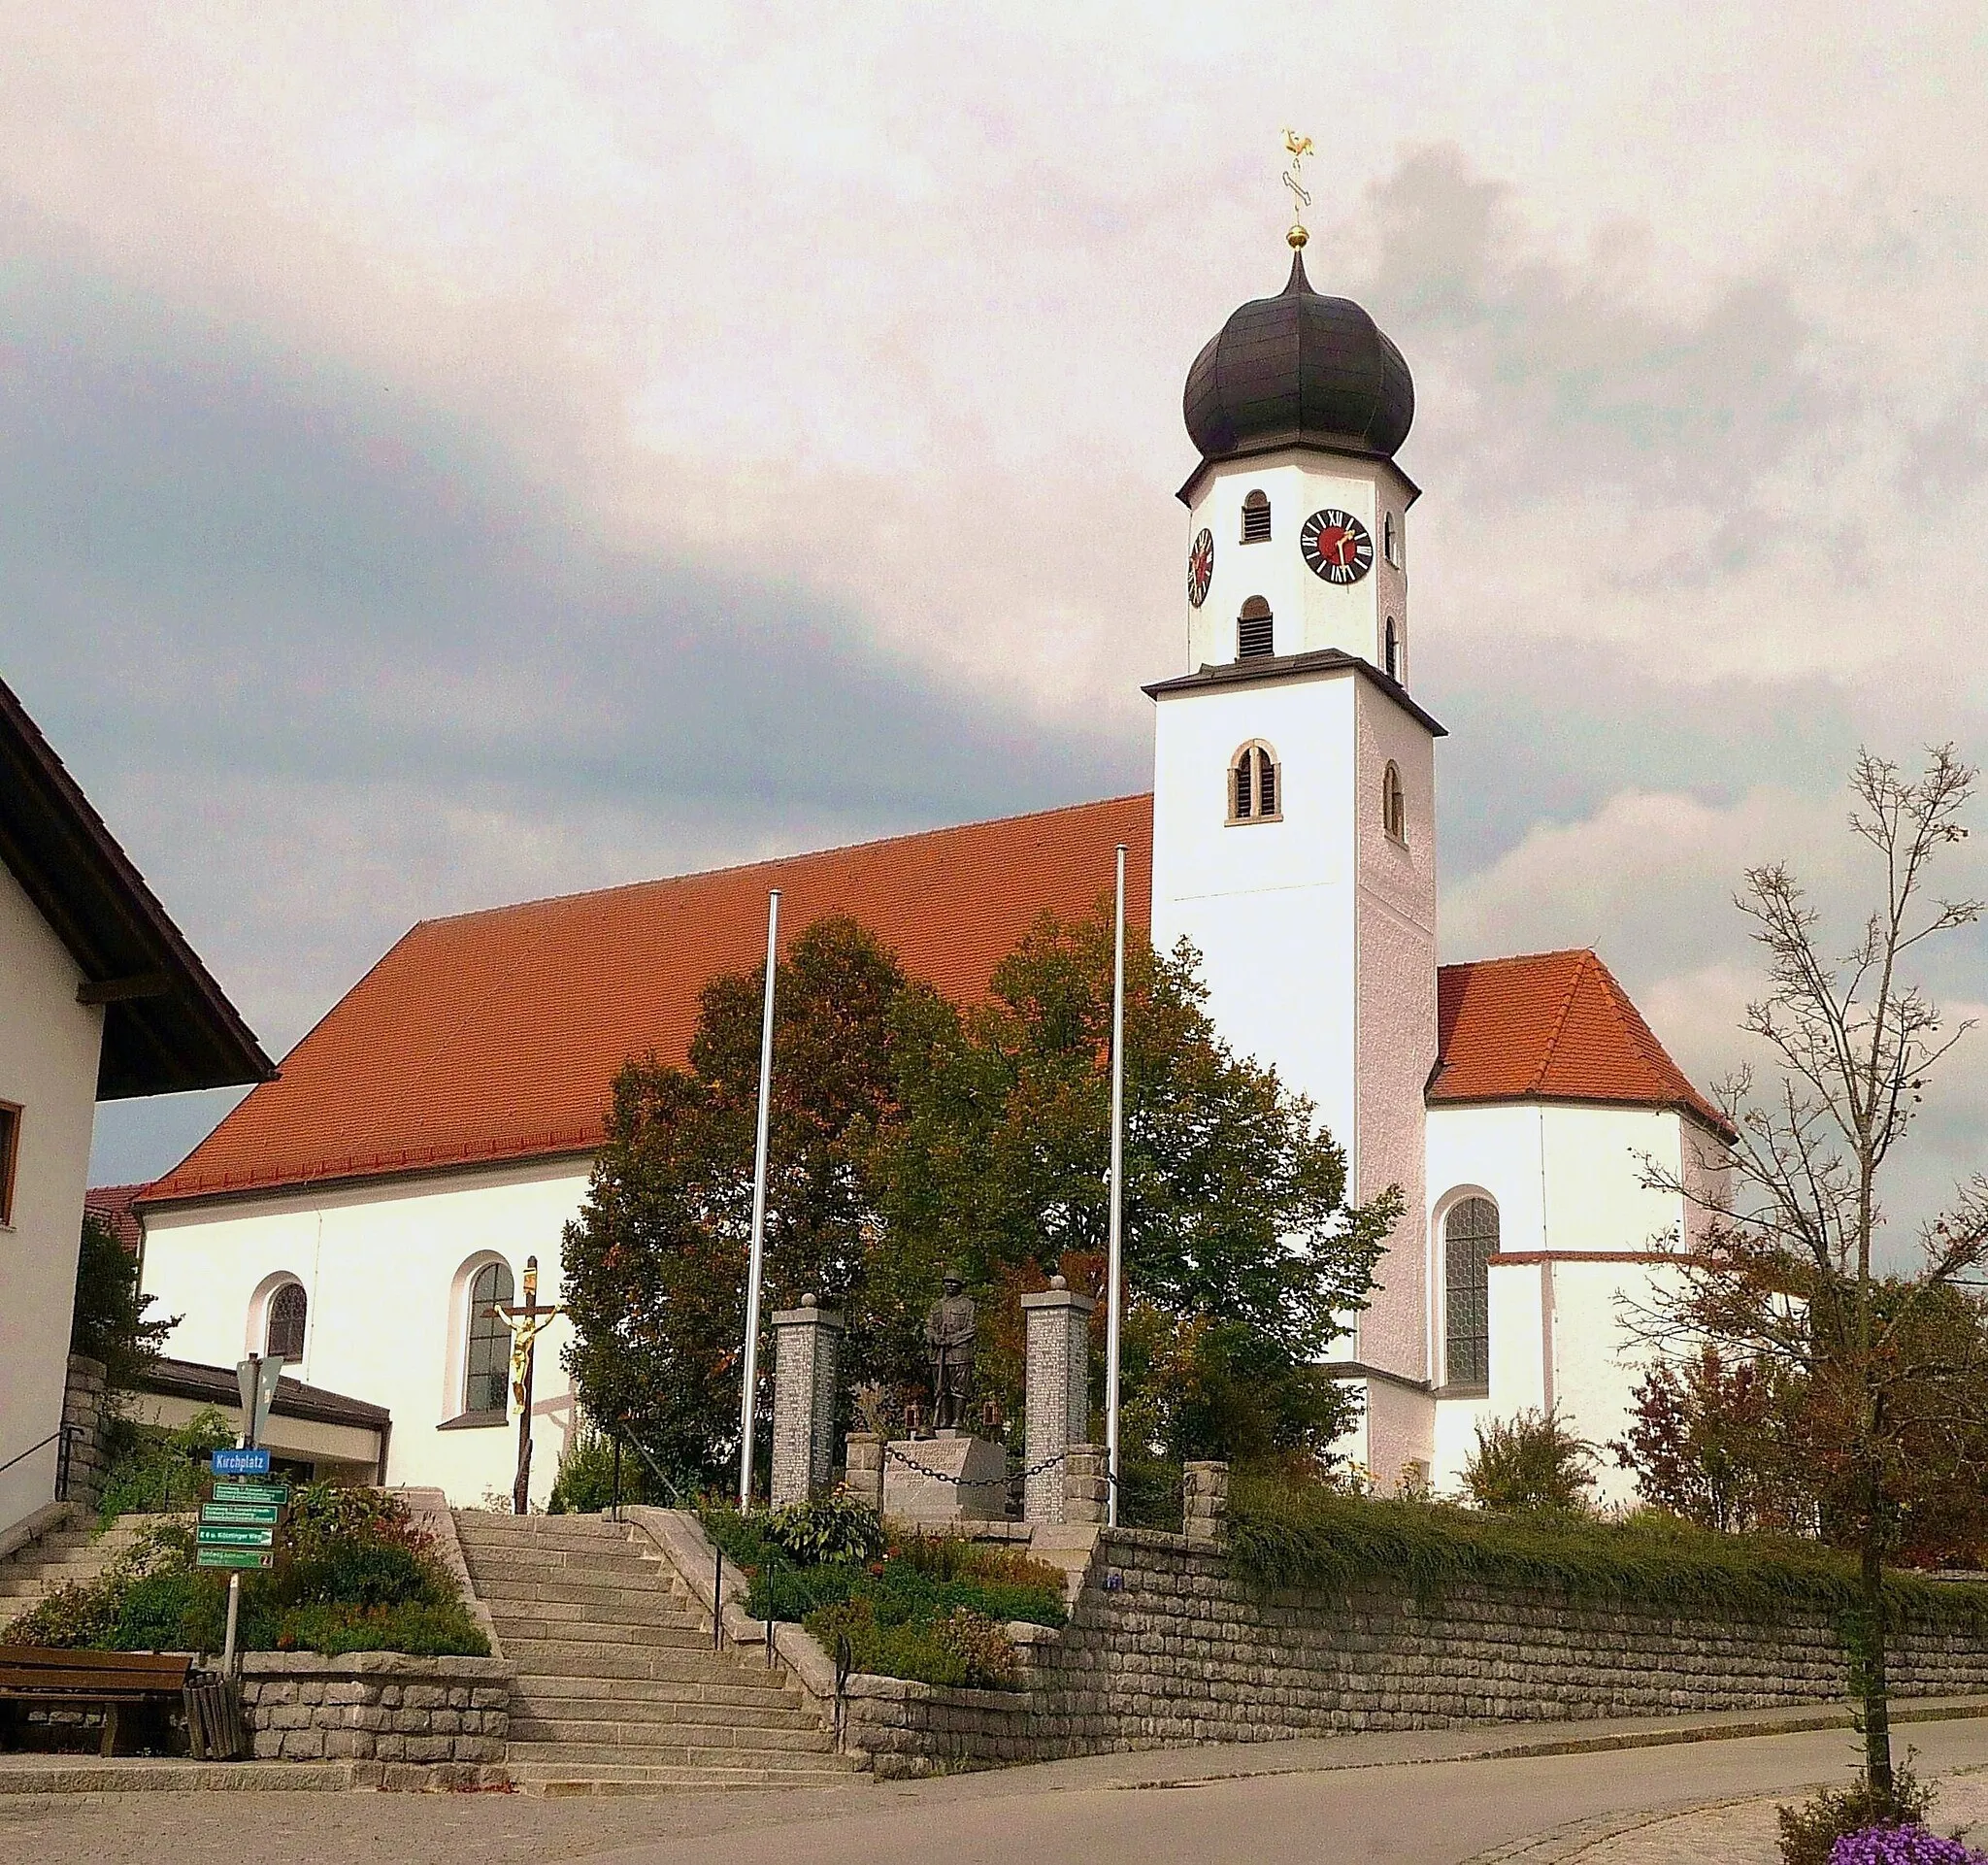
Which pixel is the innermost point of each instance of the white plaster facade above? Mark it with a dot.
(387, 1268)
(48, 1052)
(1577, 1225)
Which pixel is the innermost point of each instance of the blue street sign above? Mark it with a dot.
(240, 1463)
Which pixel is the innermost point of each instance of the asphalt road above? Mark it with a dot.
(1145, 1810)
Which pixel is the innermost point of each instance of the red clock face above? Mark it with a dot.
(1201, 567)
(1337, 545)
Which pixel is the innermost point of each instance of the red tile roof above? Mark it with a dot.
(494, 1036)
(1551, 1027)
(112, 1206)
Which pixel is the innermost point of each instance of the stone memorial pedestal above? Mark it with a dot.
(971, 1483)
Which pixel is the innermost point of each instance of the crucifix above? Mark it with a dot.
(526, 1320)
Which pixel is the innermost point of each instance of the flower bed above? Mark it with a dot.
(929, 1609)
(362, 1576)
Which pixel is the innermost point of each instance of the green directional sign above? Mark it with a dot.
(234, 1557)
(225, 1491)
(242, 1515)
(209, 1536)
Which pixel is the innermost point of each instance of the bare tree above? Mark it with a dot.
(1778, 1263)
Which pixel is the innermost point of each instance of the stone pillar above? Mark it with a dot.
(84, 1402)
(1085, 1483)
(1056, 1391)
(864, 1474)
(1205, 1502)
(806, 1341)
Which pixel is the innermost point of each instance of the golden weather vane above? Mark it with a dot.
(1297, 147)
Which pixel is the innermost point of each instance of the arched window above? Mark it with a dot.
(1257, 518)
(1389, 549)
(1469, 1239)
(1394, 806)
(282, 1336)
(1391, 649)
(1254, 631)
(1253, 784)
(486, 1363)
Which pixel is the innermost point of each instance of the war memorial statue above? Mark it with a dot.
(950, 1327)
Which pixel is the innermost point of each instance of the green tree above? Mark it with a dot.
(109, 1321)
(907, 1132)
(654, 1272)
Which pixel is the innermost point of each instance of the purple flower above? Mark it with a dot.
(1901, 1845)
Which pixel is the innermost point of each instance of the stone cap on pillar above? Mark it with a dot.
(810, 1314)
(1059, 1294)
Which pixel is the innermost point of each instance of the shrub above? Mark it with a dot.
(1811, 1832)
(585, 1483)
(1901, 1845)
(1311, 1536)
(828, 1528)
(152, 1471)
(108, 1322)
(985, 1654)
(78, 1616)
(1533, 1462)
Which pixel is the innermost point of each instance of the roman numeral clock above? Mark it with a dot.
(1337, 545)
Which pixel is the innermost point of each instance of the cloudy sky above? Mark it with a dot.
(453, 454)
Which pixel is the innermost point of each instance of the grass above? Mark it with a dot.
(1316, 1540)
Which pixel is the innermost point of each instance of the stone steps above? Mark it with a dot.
(554, 1718)
(554, 1694)
(799, 1734)
(562, 1780)
(618, 1689)
(60, 1559)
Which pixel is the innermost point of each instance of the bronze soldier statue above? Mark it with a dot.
(949, 1330)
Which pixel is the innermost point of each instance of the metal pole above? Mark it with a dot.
(749, 1397)
(1113, 1276)
(235, 1578)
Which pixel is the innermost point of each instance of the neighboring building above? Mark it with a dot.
(312, 1435)
(440, 1123)
(101, 998)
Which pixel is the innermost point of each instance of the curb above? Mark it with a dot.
(84, 1774)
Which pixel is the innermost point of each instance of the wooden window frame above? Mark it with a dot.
(1394, 805)
(9, 1158)
(470, 1340)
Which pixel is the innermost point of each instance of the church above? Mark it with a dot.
(364, 1211)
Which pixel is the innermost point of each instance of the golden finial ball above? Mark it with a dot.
(1297, 238)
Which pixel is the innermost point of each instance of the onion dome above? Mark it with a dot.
(1299, 370)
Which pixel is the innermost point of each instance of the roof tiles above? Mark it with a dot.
(495, 1036)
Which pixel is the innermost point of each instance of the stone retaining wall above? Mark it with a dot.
(84, 1402)
(375, 1706)
(1165, 1646)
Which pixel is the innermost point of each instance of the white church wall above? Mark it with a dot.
(1592, 1162)
(1395, 1019)
(1270, 905)
(382, 1268)
(48, 1052)
(1598, 1358)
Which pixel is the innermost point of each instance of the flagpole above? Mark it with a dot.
(1115, 1268)
(749, 1396)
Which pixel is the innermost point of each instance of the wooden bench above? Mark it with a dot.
(111, 1681)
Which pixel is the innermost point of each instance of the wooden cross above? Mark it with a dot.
(527, 1320)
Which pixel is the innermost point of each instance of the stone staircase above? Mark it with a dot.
(74, 1552)
(618, 1689)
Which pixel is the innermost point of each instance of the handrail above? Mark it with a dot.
(60, 1431)
(656, 1470)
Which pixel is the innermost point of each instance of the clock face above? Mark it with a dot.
(1337, 545)
(1201, 567)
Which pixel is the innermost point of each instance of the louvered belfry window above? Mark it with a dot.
(1254, 637)
(284, 1332)
(489, 1341)
(1393, 651)
(1256, 518)
(1254, 783)
(1469, 1239)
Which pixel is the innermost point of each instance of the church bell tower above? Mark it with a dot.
(1294, 827)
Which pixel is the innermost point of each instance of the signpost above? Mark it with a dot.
(239, 1521)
